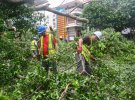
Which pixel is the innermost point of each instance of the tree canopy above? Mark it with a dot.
(20, 15)
(111, 13)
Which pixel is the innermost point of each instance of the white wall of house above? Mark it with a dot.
(52, 20)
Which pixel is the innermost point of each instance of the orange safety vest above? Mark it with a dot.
(50, 45)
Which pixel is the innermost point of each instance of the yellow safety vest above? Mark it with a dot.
(51, 49)
(33, 46)
(41, 45)
(86, 53)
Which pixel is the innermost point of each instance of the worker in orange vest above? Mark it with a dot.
(48, 47)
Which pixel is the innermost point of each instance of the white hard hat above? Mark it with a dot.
(61, 37)
(14, 28)
(98, 34)
(126, 31)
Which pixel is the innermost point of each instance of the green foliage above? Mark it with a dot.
(2, 97)
(2, 28)
(20, 14)
(12, 61)
(115, 45)
(117, 14)
(112, 74)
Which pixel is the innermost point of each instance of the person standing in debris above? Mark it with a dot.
(48, 47)
(61, 38)
(34, 47)
(84, 56)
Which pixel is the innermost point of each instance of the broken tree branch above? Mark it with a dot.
(64, 92)
(45, 7)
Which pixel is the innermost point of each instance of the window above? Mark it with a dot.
(54, 15)
(70, 20)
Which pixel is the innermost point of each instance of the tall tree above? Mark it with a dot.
(20, 15)
(110, 13)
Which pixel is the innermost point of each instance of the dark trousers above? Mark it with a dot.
(82, 64)
(35, 52)
(49, 63)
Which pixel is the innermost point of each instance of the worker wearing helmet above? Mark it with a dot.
(48, 47)
(84, 56)
(34, 47)
(61, 38)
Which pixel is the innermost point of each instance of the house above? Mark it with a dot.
(69, 28)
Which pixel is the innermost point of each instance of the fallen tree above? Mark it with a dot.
(44, 7)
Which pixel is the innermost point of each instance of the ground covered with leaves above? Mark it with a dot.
(113, 73)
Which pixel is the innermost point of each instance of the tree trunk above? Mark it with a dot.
(45, 7)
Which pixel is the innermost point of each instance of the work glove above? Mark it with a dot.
(93, 59)
(79, 49)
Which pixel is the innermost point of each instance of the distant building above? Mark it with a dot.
(40, 17)
(68, 27)
(52, 20)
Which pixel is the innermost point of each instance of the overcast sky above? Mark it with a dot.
(54, 3)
